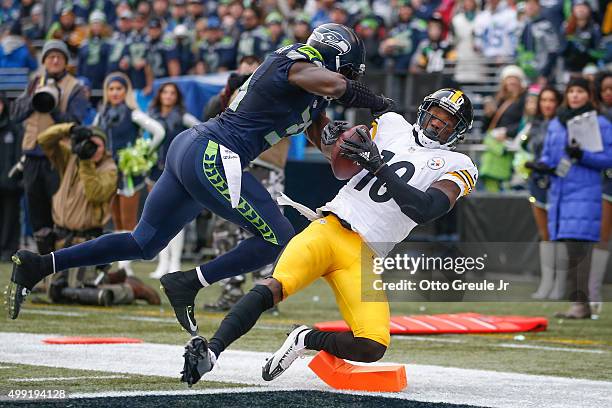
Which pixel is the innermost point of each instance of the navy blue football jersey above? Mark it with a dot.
(267, 107)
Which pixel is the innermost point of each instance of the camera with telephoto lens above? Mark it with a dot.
(46, 98)
(82, 145)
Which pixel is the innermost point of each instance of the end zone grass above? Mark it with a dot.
(580, 349)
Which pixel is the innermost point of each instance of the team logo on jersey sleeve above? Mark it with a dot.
(436, 163)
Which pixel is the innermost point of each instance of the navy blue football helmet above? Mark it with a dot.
(341, 48)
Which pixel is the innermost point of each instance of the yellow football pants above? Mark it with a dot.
(327, 249)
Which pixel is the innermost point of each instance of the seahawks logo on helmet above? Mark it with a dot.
(333, 39)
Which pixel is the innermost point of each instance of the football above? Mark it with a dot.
(344, 168)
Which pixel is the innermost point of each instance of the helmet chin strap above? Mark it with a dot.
(424, 141)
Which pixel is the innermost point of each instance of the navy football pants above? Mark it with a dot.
(193, 179)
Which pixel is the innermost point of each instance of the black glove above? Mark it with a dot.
(365, 153)
(574, 151)
(388, 106)
(539, 167)
(79, 133)
(332, 131)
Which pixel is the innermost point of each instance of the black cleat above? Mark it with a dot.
(28, 270)
(181, 294)
(197, 360)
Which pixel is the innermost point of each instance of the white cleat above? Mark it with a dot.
(291, 349)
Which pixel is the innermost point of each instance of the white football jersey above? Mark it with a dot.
(363, 201)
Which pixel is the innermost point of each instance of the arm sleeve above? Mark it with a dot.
(421, 207)
(190, 121)
(49, 141)
(99, 186)
(21, 108)
(463, 173)
(151, 125)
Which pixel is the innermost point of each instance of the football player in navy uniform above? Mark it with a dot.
(286, 95)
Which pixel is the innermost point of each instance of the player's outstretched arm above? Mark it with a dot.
(323, 82)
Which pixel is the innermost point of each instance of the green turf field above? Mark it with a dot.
(555, 353)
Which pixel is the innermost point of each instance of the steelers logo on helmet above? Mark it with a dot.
(438, 130)
(341, 49)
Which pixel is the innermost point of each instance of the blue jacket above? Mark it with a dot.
(575, 200)
(15, 54)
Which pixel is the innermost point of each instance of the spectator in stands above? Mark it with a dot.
(32, 24)
(301, 28)
(575, 193)
(63, 101)
(469, 65)
(322, 15)
(552, 10)
(90, 116)
(371, 33)
(216, 51)
(533, 135)
(94, 54)
(339, 14)
(168, 109)
(276, 32)
(184, 49)
(14, 52)
(133, 62)
(403, 38)
(433, 52)
(162, 56)
(9, 12)
(582, 39)
(502, 119)
(425, 8)
(121, 36)
(122, 121)
(195, 11)
(601, 255)
(10, 188)
(538, 44)
(143, 8)
(253, 40)
(67, 30)
(495, 32)
(161, 11)
(81, 208)
(178, 15)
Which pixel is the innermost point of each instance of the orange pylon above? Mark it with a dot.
(341, 375)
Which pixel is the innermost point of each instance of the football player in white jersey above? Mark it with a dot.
(410, 176)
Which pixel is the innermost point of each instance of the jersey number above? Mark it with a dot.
(375, 193)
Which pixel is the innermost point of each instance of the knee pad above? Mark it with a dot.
(145, 237)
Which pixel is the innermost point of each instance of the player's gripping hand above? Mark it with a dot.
(365, 152)
(332, 131)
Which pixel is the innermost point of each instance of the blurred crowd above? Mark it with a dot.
(160, 38)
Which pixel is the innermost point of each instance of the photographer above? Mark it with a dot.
(81, 208)
(54, 96)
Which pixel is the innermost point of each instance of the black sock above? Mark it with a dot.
(241, 318)
(47, 267)
(345, 345)
(192, 277)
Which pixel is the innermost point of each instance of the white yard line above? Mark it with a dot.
(425, 383)
(434, 339)
(54, 313)
(44, 379)
(534, 347)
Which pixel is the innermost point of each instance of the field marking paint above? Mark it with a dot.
(427, 383)
(435, 339)
(91, 377)
(534, 347)
(54, 313)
